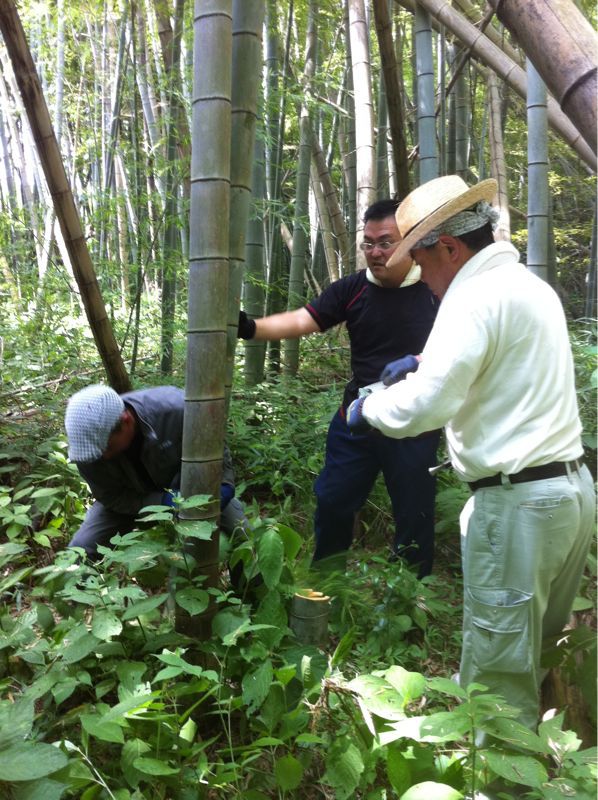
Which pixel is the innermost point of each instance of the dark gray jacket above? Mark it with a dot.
(117, 484)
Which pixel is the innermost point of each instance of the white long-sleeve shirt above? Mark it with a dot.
(497, 372)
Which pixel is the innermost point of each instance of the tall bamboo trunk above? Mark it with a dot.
(393, 95)
(365, 152)
(537, 174)
(498, 168)
(301, 216)
(205, 408)
(248, 16)
(426, 113)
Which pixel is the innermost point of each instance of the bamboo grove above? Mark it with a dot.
(351, 102)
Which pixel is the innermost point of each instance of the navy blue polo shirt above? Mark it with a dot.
(383, 323)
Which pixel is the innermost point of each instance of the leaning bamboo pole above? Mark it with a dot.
(562, 46)
(62, 197)
(493, 57)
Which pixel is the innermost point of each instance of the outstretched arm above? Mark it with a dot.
(287, 325)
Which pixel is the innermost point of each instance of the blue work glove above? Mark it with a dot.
(227, 492)
(395, 371)
(168, 499)
(355, 419)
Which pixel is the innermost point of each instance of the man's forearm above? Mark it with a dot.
(287, 325)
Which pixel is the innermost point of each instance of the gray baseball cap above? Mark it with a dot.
(91, 416)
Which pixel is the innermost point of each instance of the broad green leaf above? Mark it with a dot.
(410, 685)
(196, 529)
(128, 705)
(308, 738)
(130, 674)
(256, 685)
(47, 491)
(16, 721)
(133, 749)
(15, 577)
(62, 690)
(444, 726)
(378, 696)
(271, 611)
(519, 769)
(40, 789)
(153, 766)
(344, 765)
(105, 625)
(291, 539)
(515, 734)
(188, 731)
(167, 673)
(45, 617)
(288, 772)
(79, 644)
(105, 731)
(430, 790)
(175, 660)
(558, 741)
(447, 686)
(270, 557)
(145, 606)
(230, 624)
(194, 601)
(398, 769)
(30, 760)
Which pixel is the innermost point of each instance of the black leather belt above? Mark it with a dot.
(552, 470)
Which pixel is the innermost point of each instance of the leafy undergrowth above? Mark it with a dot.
(102, 696)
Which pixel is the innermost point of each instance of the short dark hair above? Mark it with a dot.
(478, 239)
(381, 209)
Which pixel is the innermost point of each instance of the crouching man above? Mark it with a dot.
(128, 449)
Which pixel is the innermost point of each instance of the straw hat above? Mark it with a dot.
(431, 204)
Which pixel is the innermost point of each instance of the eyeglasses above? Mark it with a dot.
(367, 247)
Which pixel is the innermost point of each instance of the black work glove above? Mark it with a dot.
(246, 327)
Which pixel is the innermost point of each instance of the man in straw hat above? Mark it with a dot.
(497, 373)
(389, 313)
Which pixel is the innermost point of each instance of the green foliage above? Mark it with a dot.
(583, 342)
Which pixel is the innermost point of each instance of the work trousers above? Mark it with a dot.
(101, 524)
(524, 548)
(352, 464)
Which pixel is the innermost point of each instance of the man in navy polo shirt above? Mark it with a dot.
(389, 314)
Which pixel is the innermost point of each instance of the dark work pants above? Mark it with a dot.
(352, 464)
